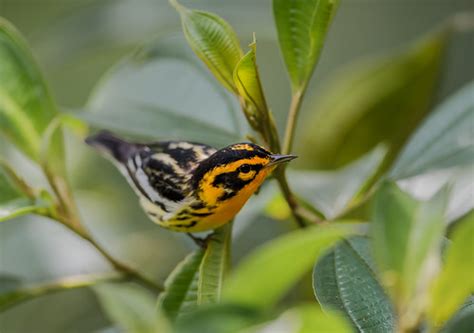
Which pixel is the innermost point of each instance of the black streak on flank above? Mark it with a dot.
(198, 205)
(201, 214)
(161, 205)
(191, 224)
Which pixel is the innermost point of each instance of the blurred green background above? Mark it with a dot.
(77, 41)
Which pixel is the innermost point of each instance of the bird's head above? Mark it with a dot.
(234, 173)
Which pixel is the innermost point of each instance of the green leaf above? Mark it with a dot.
(130, 306)
(26, 107)
(154, 123)
(407, 237)
(198, 279)
(302, 27)
(306, 318)
(264, 276)
(181, 287)
(463, 320)
(218, 318)
(214, 265)
(163, 92)
(455, 282)
(332, 192)
(384, 101)
(214, 42)
(345, 279)
(444, 140)
(247, 82)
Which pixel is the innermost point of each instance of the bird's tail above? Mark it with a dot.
(112, 145)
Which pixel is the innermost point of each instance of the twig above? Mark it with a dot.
(23, 294)
(68, 216)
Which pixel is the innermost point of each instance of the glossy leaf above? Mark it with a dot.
(181, 287)
(302, 27)
(332, 192)
(384, 101)
(130, 306)
(214, 265)
(26, 107)
(444, 140)
(213, 40)
(345, 279)
(455, 282)
(161, 92)
(407, 237)
(251, 285)
(306, 318)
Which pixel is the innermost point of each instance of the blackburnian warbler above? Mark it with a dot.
(190, 187)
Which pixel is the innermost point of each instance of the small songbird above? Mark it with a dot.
(189, 187)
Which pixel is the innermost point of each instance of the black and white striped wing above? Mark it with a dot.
(161, 175)
(158, 172)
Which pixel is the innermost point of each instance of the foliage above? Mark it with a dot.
(387, 265)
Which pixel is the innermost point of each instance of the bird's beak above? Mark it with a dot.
(278, 159)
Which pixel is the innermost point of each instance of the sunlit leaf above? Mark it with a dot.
(213, 40)
(247, 82)
(130, 306)
(345, 279)
(306, 318)
(214, 265)
(162, 92)
(370, 102)
(444, 140)
(181, 287)
(266, 275)
(455, 282)
(26, 107)
(302, 27)
(407, 237)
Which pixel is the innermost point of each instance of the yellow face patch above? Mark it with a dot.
(209, 193)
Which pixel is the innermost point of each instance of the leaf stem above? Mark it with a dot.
(295, 106)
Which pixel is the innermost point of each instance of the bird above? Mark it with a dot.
(186, 186)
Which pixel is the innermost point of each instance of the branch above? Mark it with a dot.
(20, 295)
(68, 216)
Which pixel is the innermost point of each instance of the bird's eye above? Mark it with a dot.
(245, 168)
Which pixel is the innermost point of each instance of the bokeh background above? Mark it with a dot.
(77, 41)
